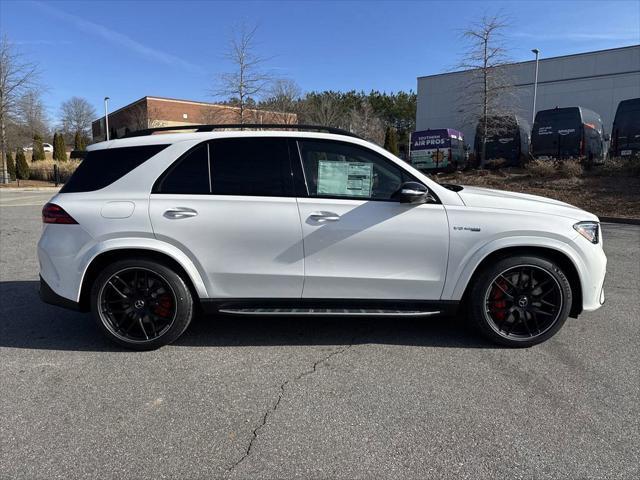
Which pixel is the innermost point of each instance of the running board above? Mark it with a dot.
(347, 312)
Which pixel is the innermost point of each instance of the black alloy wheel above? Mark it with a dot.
(521, 301)
(141, 304)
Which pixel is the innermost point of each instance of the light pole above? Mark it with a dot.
(535, 87)
(106, 117)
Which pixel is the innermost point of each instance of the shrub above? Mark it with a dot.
(38, 149)
(79, 142)
(570, 168)
(22, 167)
(541, 168)
(59, 148)
(620, 167)
(45, 170)
(11, 166)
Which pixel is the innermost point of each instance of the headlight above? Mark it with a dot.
(588, 230)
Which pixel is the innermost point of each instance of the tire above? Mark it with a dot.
(520, 301)
(141, 304)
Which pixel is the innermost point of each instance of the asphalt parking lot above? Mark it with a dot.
(282, 398)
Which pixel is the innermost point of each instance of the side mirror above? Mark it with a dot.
(412, 192)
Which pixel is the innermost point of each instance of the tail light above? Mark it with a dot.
(52, 213)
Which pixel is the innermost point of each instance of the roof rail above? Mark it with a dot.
(241, 126)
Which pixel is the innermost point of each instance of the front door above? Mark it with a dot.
(358, 242)
(229, 205)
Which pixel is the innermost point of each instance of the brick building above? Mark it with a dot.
(149, 112)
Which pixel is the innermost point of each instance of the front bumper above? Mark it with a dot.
(47, 295)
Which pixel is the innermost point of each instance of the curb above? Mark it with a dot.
(30, 189)
(628, 221)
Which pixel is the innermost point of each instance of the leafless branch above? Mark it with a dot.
(488, 94)
(248, 79)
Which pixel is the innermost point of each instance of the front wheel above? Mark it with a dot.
(141, 304)
(520, 301)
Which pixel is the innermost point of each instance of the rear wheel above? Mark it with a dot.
(520, 301)
(141, 304)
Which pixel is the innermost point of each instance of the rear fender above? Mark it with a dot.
(190, 266)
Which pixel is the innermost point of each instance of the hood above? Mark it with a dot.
(488, 198)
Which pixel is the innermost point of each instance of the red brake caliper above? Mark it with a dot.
(498, 304)
(165, 303)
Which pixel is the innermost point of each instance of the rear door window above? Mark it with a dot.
(101, 168)
(251, 166)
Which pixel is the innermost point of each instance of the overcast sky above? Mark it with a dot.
(175, 48)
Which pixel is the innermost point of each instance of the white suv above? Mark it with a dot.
(300, 220)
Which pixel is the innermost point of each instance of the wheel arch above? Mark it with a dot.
(560, 258)
(105, 257)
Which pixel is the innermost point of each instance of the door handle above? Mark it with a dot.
(324, 216)
(179, 212)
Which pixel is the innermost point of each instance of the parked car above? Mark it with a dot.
(508, 139)
(625, 134)
(437, 150)
(46, 146)
(307, 221)
(569, 133)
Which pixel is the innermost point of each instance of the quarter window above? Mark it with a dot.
(189, 175)
(340, 170)
(101, 168)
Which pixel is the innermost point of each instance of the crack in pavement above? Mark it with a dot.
(283, 386)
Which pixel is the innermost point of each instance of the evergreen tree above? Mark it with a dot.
(38, 149)
(78, 142)
(391, 141)
(22, 167)
(11, 166)
(59, 148)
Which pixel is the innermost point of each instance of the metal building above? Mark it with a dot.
(596, 80)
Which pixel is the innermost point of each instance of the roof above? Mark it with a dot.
(171, 138)
(178, 100)
(541, 60)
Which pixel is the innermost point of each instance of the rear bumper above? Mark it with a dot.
(47, 295)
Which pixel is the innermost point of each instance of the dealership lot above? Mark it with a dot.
(274, 398)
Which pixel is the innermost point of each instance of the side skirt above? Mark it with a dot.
(328, 307)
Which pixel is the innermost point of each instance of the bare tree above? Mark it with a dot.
(283, 97)
(17, 76)
(247, 80)
(76, 115)
(489, 93)
(137, 117)
(31, 113)
(364, 122)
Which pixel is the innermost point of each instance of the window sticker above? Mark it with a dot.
(349, 179)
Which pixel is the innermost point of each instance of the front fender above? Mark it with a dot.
(192, 269)
(458, 278)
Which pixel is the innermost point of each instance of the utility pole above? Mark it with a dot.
(535, 87)
(106, 117)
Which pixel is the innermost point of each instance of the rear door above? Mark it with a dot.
(229, 205)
